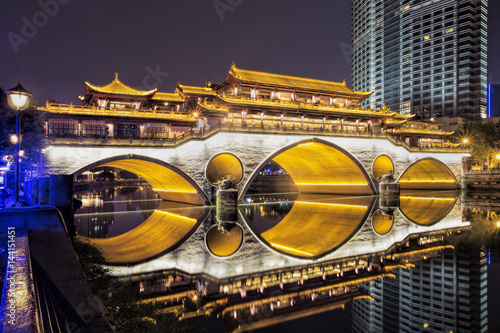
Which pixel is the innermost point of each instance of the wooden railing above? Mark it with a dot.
(162, 113)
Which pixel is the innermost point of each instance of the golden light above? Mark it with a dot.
(465, 141)
(18, 97)
(498, 157)
(13, 138)
(498, 224)
(21, 153)
(195, 114)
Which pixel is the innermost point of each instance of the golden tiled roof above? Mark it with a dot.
(160, 96)
(118, 88)
(294, 82)
(195, 90)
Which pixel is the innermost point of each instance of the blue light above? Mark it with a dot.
(489, 257)
(248, 200)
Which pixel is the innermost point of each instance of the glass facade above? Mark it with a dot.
(427, 58)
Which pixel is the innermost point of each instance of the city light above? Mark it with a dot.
(14, 138)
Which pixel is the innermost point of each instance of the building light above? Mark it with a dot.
(406, 8)
(449, 31)
(427, 37)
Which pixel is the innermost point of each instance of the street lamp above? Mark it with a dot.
(19, 99)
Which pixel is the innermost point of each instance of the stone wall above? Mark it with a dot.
(253, 150)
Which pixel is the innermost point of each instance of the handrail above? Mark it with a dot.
(169, 113)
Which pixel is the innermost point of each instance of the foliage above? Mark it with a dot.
(483, 234)
(122, 300)
(482, 138)
(32, 127)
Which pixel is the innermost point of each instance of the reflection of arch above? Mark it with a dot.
(223, 243)
(318, 166)
(163, 231)
(223, 166)
(427, 210)
(380, 166)
(316, 226)
(428, 174)
(382, 223)
(170, 182)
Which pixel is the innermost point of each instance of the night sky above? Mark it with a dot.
(159, 43)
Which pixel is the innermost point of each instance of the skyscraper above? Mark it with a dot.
(442, 294)
(421, 57)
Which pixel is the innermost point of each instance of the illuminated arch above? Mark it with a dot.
(168, 181)
(168, 227)
(224, 166)
(380, 166)
(224, 243)
(427, 210)
(382, 223)
(428, 174)
(318, 166)
(316, 226)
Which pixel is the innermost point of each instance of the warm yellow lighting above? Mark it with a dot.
(498, 224)
(330, 204)
(427, 37)
(498, 157)
(448, 31)
(289, 249)
(19, 100)
(426, 198)
(336, 184)
(428, 181)
(176, 216)
(21, 153)
(465, 141)
(195, 114)
(187, 191)
(13, 138)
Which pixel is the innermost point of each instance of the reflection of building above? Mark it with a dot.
(246, 100)
(444, 294)
(421, 57)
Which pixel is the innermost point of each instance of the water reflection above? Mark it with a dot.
(281, 258)
(113, 211)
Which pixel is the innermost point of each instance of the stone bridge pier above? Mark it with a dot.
(346, 165)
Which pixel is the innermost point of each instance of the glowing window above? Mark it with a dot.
(427, 37)
(449, 31)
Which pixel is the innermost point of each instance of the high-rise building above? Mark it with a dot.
(443, 294)
(421, 57)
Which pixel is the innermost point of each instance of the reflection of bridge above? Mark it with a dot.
(322, 162)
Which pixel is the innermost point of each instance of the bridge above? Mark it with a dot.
(184, 169)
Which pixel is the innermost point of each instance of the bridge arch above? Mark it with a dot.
(169, 226)
(168, 181)
(319, 166)
(428, 174)
(427, 210)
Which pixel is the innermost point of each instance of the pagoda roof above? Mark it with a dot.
(160, 96)
(116, 87)
(195, 90)
(421, 131)
(294, 82)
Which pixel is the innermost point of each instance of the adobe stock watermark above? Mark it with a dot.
(346, 51)
(10, 305)
(224, 6)
(154, 77)
(30, 28)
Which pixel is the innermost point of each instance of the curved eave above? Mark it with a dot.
(428, 133)
(213, 109)
(118, 88)
(322, 109)
(393, 123)
(167, 97)
(192, 90)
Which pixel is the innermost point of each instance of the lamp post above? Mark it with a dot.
(19, 99)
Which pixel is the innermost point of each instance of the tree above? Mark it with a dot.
(482, 138)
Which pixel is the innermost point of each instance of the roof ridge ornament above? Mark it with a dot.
(116, 76)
